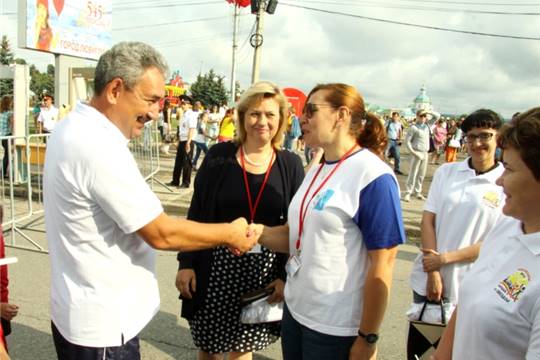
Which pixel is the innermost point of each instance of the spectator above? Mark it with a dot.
(227, 127)
(7, 310)
(48, 115)
(417, 142)
(184, 152)
(439, 139)
(394, 131)
(200, 138)
(6, 129)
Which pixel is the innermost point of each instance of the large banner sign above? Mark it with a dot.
(79, 28)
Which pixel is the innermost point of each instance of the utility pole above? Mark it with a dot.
(234, 49)
(256, 41)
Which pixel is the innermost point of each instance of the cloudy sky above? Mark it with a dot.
(315, 41)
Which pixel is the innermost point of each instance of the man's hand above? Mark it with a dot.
(432, 260)
(434, 286)
(242, 236)
(361, 350)
(277, 296)
(8, 311)
(186, 282)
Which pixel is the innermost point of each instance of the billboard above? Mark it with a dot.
(80, 28)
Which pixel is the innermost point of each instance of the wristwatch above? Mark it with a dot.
(370, 338)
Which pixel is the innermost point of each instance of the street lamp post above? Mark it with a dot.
(256, 39)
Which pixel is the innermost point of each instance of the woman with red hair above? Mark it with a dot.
(344, 225)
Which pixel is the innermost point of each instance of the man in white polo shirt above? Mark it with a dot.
(48, 115)
(187, 129)
(103, 220)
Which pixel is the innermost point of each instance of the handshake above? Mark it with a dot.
(243, 236)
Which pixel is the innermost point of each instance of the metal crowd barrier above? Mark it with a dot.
(22, 184)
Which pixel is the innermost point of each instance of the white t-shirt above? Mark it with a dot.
(357, 210)
(466, 207)
(48, 117)
(498, 315)
(189, 121)
(103, 285)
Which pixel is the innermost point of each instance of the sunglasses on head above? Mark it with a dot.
(311, 108)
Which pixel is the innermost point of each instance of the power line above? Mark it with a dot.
(224, 17)
(155, 6)
(421, 8)
(536, 4)
(472, 3)
(411, 24)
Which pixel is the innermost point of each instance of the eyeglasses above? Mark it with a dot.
(311, 108)
(483, 137)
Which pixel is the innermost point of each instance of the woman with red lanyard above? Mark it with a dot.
(249, 178)
(344, 227)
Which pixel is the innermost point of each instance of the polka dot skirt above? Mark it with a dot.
(216, 326)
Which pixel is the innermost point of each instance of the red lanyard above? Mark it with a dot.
(253, 208)
(303, 210)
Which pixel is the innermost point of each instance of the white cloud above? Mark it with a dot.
(387, 62)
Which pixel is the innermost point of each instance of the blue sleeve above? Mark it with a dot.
(379, 215)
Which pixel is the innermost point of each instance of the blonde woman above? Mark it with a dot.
(253, 178)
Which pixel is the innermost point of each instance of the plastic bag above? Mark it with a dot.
(260, 311)
(432, 313)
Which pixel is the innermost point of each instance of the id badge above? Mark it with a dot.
(257, 249)
(293, 265)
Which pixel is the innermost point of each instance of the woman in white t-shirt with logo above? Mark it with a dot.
(498, 316)
(462, 206)
(344, 227)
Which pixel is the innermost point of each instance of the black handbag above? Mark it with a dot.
(424, 337)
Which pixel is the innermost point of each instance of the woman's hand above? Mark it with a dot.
(361, 350)
(277, 296)
(434, 286)
(186, 282)
(432, 260)
(8, 311)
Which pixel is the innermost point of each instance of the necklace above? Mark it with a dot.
(251, 162)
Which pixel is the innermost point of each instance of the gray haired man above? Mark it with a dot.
(102, 219)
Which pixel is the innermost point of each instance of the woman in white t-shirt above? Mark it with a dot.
(344, 227)
(498, 316)
(462, 206)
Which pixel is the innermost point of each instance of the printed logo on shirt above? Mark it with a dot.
(491, 199)
(322, 198)
(511, 288)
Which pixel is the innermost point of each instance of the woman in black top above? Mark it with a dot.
(252, 178)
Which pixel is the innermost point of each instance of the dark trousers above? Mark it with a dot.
(393, 150)
(182, 164)
(68, 351)
(301, 343)
(5, 162)
(201, 146)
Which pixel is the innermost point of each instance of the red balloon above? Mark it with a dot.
(59, 6)
(241, 3)
(297, 98)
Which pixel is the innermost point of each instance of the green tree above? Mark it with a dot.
(209, 89)
(42, 82)
(6, 55)
(6, 58)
